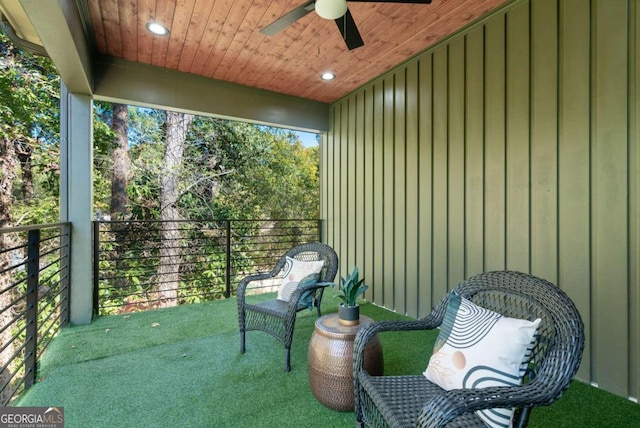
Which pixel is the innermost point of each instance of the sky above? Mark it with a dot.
(308, 139)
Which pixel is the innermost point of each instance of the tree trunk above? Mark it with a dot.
(7, 175)
(170, 236)
(119, 180)
(23, 152)
(121, 163)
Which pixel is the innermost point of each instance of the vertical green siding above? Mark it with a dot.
(388, 197)
(494, 144)
(359, 153)
(456, 159)
(412, 257)
(425, 187)
(609, 146)
(377, 280)
(368, 262)
(518, 237)
(343, 200)
(399, 192)
(574, 133)
(474, 152)
(350, 163)
(440, 85)
(634, 192)
(544, 144)
(511, 145)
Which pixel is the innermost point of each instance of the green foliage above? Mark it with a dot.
(143, 190)
(29, 89)
(43, 209)
(351, 287)
(230, 169)
(254, 171)
(29, 118)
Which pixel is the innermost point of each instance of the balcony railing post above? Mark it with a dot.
(320, 231)
(33, 278)
(96, 268)
(65, 272)
(227, 291)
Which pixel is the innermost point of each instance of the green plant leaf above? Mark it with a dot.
(351, 287)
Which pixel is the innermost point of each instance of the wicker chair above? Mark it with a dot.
(275, 316)
(409, 401)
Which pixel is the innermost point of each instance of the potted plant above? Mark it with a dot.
(350, 288)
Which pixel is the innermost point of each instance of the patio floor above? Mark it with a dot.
(181, 367)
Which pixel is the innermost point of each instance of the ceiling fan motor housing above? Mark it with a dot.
(331, 9)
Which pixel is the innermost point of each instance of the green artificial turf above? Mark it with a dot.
(182, 367)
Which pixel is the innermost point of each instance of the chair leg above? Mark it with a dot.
(358, 413)
(242, 347)
(287, 359)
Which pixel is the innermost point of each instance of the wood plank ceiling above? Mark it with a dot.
(220, 39)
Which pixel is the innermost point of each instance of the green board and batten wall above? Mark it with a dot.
(511, 145)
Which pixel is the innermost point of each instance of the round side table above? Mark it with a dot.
(331, 361)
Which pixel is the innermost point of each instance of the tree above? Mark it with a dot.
(170, 236)
(121, 162)
(147, 136)
(7, 176)
(7, 162)
(28, 122)
(200, 168)
(229, 170)
(250, 171)
(29, 119)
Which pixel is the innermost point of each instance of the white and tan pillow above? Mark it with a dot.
(294, 272)
(479, 348)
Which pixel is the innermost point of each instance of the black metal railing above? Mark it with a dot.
(141, 265)
(34, 300)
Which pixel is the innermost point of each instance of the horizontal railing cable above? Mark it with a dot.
(34, 297)
(200, 260)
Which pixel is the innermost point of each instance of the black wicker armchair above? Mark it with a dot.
(410, 401)
(278, 317)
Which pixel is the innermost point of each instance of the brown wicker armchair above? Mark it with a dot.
(277, 317)
(409, 401)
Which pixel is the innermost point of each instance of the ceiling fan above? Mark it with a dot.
(329, 9)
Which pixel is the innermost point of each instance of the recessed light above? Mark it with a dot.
(327, 75)
(157, 29)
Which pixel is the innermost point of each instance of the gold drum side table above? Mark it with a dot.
(331, 361)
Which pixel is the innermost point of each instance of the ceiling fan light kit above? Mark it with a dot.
(331, 9)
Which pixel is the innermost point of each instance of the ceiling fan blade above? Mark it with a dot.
(288, 18)
(393, 1)
(349, 31)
